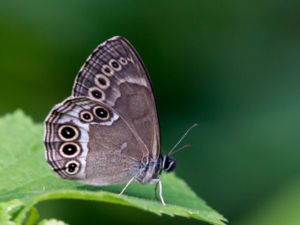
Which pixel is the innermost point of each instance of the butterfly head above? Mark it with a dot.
(168, 164)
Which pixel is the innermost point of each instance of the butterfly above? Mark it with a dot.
(107, 131)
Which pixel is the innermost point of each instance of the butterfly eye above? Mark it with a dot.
(72, 167)
(102, 81)
(86, 116)
(107, 70)
(69, 150)
(123, 61)
(101, 113)
(115, 65)
(97, 93)
(68, 133)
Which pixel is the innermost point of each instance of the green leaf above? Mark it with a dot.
(32, 217)
(7, 209)
(26, 179)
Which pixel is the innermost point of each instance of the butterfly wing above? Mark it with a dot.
(89, 141)
(115, 75)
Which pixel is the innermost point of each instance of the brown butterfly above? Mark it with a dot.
(107, 132)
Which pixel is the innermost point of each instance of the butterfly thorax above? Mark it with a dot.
(150, 172)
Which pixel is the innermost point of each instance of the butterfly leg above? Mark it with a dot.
(126, 186)
(160, 193)
(158, 184)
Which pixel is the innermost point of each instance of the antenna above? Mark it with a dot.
(173, 150)
(179, 149)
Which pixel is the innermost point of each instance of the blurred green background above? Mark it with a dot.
(231, 66)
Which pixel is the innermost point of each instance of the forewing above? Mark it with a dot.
(115, 75)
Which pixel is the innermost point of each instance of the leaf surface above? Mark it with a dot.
(26, 179)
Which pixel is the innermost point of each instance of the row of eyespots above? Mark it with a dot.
(69, 133)
(113, 66)
(69, 149)
(98, 112)
(102, 79)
